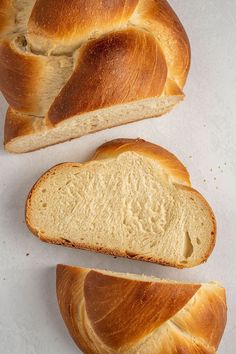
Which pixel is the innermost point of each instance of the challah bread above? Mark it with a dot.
(108, 312)
(133, 199)
(69, 69)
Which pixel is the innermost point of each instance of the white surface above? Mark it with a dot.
(201, 132)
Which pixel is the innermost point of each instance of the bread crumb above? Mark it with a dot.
(27, 254)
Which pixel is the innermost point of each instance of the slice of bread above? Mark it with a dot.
(23, 133)
(108, 312)
(133, 199)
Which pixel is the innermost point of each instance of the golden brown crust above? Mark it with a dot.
(159, 18)
(16, 125)
(152, 304)
(179, 343)
(124, 63)
(120, 67)
(69, 286)
(112, 149)
(72, 20)
(128, 315)
(166, 159)
(7, 14)
(19, 74)
(209, 321)
(172, 89)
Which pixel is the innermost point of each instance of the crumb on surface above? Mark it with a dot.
(27, 254)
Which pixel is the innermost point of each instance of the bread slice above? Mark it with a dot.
(108, 312)
(133, 199)
(25, 133)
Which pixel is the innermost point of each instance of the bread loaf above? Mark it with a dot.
(133, 199)
(109, 313)
(68, 68)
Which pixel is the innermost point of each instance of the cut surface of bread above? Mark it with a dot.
(108, 312)
(23, 134)
(68, 69)
(133, 199)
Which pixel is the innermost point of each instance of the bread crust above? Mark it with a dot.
(111, 149)
(106, 70)
(159, 18)
(7, 14)
(166, 159)
(197, 311)
(19, 125)
(73, 20)
(19, 73)
(124, 56)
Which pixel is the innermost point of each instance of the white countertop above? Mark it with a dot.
(201, 132)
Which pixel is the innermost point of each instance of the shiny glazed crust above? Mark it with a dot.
(131, 52)
(175, 169)
(166, 317)
(165, 158)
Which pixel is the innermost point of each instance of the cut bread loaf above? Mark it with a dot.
(109, 313)
(67, 69)
(133, 199)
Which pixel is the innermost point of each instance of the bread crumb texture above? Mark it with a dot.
(125, 205)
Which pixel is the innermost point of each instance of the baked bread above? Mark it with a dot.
(109, 313)
(68, 69)
(133, 199)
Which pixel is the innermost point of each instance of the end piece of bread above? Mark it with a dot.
(108, 312)
(133, 199)
(67, 69)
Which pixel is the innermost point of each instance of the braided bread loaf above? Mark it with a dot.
(70, 67)
(109, 312)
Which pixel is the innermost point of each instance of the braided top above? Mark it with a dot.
(59, 58)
